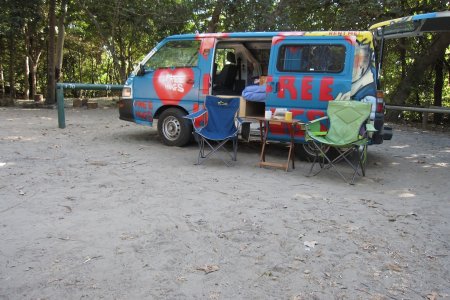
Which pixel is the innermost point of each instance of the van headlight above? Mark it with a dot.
(126, 92)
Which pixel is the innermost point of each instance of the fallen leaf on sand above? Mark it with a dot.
(432, 296)
(126, 237)
(310, 244)
(209, 268)
(394, 267)
(68, 208)
(88, 258)
(98, 163)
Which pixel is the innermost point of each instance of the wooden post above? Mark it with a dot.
(424, 119)
(60, 103)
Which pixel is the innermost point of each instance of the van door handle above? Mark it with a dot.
(190, 81)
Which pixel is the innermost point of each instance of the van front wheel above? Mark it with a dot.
(173, 129)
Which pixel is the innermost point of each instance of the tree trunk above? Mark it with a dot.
(51, 83)
(212, 25)
(402, 48)
(2, 77)
(2, 81)
(12, 60)
(26, 82)
(416, 71)
(108, 71)
(33, 78)
(80, 66)
(60, 41)
(123, 62)
(92, 70)
(438, 85)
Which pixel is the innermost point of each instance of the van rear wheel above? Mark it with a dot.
(308, 151)
(173, 129)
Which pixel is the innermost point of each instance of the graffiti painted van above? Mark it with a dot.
(302, 71)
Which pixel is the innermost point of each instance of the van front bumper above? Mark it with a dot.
(126, 110)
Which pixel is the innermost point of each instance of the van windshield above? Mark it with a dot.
(175, 54)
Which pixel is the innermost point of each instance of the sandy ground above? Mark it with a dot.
(102, 209)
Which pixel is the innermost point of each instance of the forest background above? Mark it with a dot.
(100, 41)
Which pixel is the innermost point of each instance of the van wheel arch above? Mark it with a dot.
(173, 129)
(306, 151)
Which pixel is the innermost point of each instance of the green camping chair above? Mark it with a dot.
(348, 133)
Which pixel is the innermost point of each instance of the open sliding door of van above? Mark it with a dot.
(412, 25)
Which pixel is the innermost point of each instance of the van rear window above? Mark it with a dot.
(175, 54)
(311, 58)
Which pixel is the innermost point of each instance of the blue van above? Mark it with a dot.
(302, 72)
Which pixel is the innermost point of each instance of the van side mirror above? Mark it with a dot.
(141, 71)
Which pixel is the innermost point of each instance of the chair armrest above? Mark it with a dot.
(370, 128)
(195, 115)
(316, 120)
(314, 126)
(318, 133)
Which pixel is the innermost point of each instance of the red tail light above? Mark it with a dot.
(380, 101)
(380, 107)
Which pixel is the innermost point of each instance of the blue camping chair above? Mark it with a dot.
(220, 127)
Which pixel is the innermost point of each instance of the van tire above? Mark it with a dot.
(173, 129)
(306, 151)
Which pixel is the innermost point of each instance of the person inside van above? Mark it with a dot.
(224, 80)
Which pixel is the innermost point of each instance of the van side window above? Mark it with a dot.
(311, 58)
(175, 54)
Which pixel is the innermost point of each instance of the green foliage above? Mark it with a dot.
(106, 38)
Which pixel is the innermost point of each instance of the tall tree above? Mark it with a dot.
(60, 41)
(417, 70)
(214, 22)
(51, 83)
(12, 59)
(32, 23)
(2, 77)
(34, 46)
(438, 84)
(26, 84)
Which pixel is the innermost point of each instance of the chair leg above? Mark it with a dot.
(235, 145)
(316, 157)
(202, 156)
(343, 155)
(358, 165)
(361, 164)
(201, 149)
(326, 163)
(363, 160)
(319, 158)
(361, 156)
